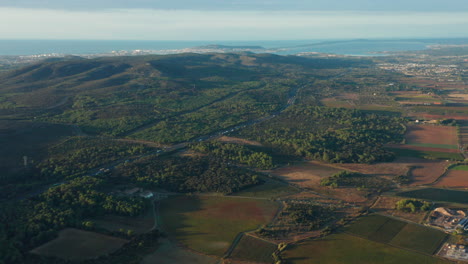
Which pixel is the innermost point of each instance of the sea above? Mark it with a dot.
(358, 47)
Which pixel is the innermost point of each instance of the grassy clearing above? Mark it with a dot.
(419, 238)
(461, 167)
(426, 154)
(76, 245)
(209, 224)
(254, 249)
(269, 189)
(430, 145)
(366, 226)
(377, 228)
(388, 231)
(348, 249)
(434, 194)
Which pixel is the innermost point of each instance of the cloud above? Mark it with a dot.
(232, 5)
(153, 24)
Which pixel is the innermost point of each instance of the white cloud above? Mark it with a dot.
(225, 25)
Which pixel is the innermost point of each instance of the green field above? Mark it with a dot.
(209, 224)
(348, 249)
(460, 167)
(429, 145)
(428, 240)
(254, 249)
(426, 154)
(434, 194)
(398, 233)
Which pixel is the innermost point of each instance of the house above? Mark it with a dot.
(146, 194)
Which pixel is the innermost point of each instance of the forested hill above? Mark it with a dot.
(120, 95)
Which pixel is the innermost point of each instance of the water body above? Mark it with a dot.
(343, 47)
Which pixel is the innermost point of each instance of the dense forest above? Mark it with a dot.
(29, 223)
(187, 174)
(330, 134)
(235, 153)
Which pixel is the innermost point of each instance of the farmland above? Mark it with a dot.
(253, 249)
(209, 224)
(444, 137)
(456, 177)
(347, 249)
(398, 233)
(424, 152)
(76, 245)
(421, 171)
(169, 252)
(433, 194)
(306, 174)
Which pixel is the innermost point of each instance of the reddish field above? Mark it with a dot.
(423, 171)
(422, 134)
(454, 179)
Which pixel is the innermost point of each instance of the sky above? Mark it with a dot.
(232, 20)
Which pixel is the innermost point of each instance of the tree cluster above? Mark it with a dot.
(187, 174)
(412, 205)
(235, 152)
(334, 135)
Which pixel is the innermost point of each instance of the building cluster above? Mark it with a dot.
(449, 220)
(420, 69)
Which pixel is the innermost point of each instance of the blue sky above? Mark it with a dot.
(232, 20)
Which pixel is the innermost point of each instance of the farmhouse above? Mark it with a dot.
(146, 194)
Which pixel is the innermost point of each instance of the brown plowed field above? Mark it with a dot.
(454, 179)
(422, 134)
(305, 174)
(423, 171)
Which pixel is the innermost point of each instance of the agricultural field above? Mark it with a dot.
(419, 238)
(398, 233)
(77, 245)
(306, 174)
(269, 189)
(170, 253)
(433, 194)
(425, 153)
(253, 249)
(421, 171)
(114, 223)
(209, 224)
(415, 98)
(456, 177)
(347, 249)
(443, 137)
